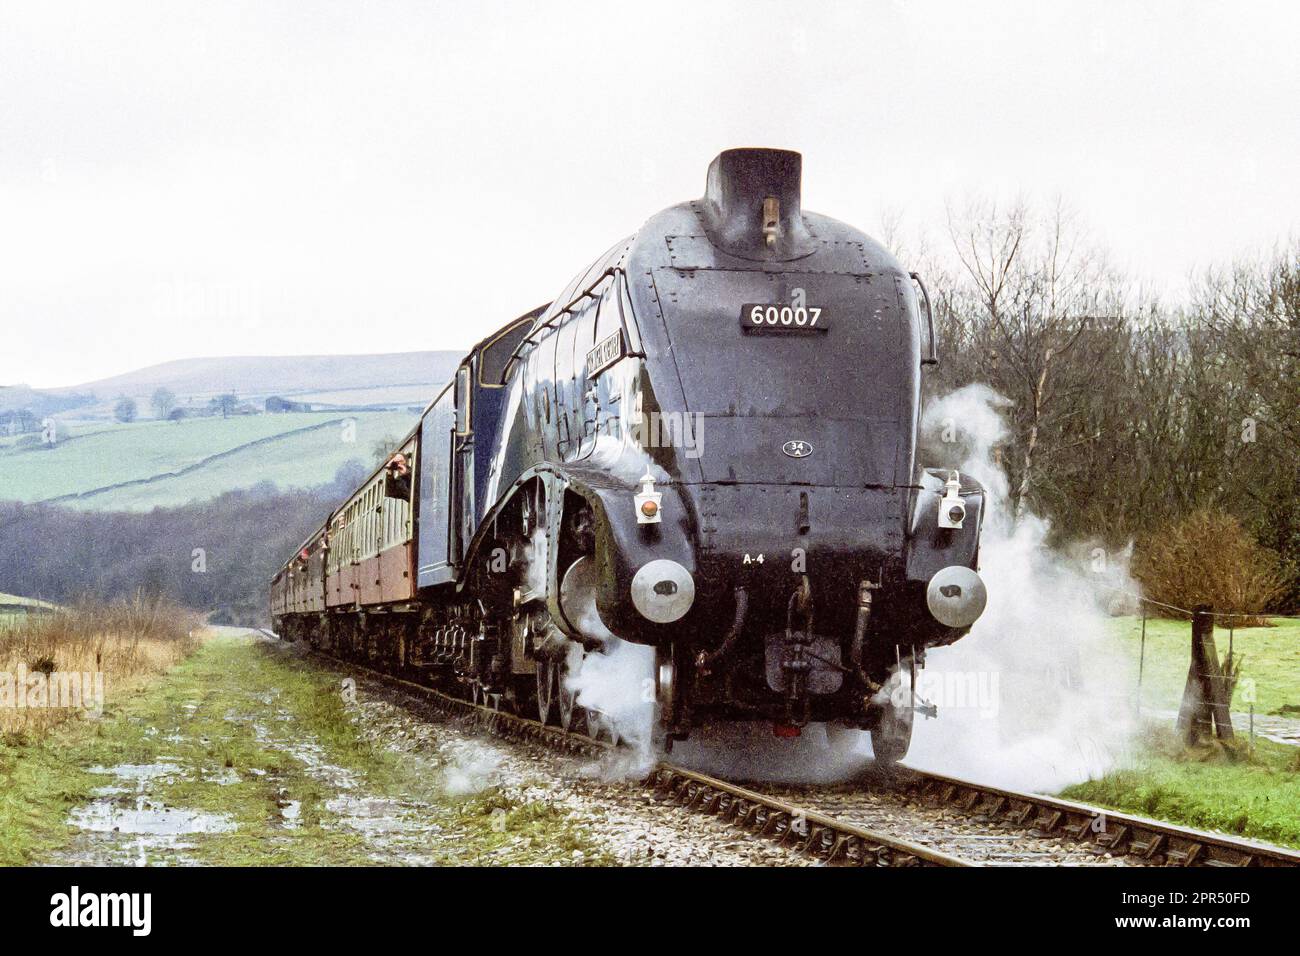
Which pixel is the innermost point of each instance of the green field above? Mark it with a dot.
(1270, 657)
(1242, 787)
(66, 429)
(150, 464)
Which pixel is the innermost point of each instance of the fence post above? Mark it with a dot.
(1205, 698)
(1142, 657)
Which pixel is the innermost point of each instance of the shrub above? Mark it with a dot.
(123, 640)
(1208, 558)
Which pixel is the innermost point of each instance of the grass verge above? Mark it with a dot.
(266, 743)
(64, 663)
(1251, 793)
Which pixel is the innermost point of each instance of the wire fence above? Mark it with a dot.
(1229, 616)
(1144, 600)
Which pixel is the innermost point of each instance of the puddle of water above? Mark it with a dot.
(311, 755)
(148, 817)
(123, 809)
(165, 768)
(127, 822)
(291, 815)
(136, 777)
(379, 816)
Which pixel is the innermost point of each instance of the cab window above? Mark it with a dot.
(462, 401)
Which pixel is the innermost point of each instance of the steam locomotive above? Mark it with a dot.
(706, 444)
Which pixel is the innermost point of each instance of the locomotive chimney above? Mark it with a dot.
(751, 204)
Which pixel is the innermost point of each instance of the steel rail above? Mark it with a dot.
(830, 840)
(1153, 842)
(1149, 842)
(833, 841)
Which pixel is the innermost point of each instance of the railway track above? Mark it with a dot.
(944, 821)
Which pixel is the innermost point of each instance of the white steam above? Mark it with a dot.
(471, 772)
(614, 682)
(1034, 697)
(616, 685)
(748, 751)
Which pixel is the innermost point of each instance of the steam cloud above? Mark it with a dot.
(617, 683)
(1034, 697)
(1044, 691)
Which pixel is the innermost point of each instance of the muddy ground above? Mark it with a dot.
(252, 754)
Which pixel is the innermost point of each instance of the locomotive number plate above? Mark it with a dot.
(783, 318)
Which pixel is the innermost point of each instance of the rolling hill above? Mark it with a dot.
(151, 464)
(277, 375)
(345, 407)
(340, 381)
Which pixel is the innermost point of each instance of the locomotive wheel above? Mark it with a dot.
(565, 698)
(892, 733)
(890, 740)
(600, 725)
(545, 690)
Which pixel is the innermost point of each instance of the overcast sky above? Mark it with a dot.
(195, 179)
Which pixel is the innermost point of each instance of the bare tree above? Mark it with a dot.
(124, 409)
(225, 403)
(162, 402)
(1039, 289)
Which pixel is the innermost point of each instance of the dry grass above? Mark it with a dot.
(125, 641)
(1208, 558)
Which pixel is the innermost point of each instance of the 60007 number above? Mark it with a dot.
(783, 318)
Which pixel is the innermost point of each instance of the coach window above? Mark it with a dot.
(462, 400)
(494, 358)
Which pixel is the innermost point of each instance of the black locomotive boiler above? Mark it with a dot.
(706, 444)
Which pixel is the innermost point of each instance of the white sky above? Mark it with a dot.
(181, 179)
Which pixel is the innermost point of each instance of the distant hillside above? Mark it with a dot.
(275, 375)
(325, 382)
(39, 403)
(330, 412)
(150, 464)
